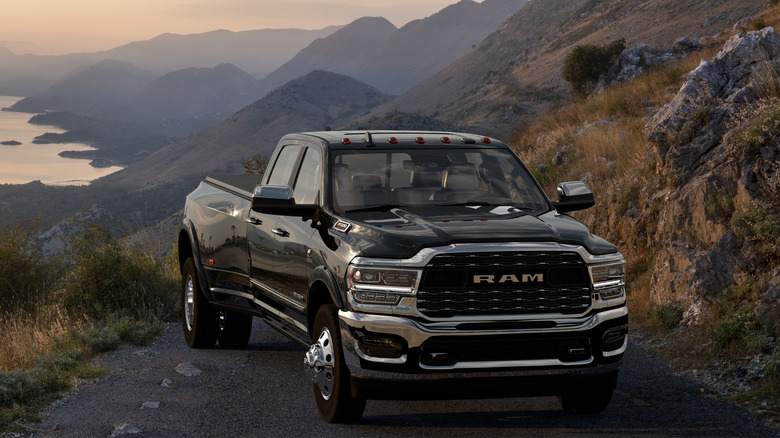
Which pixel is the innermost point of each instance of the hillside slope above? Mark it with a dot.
(517, 68)
(394, 60)
(332, 52)
(312, 102)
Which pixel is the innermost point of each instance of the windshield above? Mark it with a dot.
(376, 180)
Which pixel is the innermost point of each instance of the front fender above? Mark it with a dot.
(325, 275)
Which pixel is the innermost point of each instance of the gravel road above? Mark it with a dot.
(168, 390)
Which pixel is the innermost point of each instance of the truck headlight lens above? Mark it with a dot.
(381, 285)
(607, 273)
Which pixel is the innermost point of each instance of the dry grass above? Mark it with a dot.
(25, 339)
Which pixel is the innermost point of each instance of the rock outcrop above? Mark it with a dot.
(710, 174)
(632, 61)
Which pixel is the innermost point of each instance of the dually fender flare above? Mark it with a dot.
(189, 228)
(325, 275)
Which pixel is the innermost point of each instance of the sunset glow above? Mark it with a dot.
(57, 27)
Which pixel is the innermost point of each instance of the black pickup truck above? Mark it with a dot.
(410, 265)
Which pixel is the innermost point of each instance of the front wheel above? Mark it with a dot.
(589, 395)
(325, 359)
(198, 319)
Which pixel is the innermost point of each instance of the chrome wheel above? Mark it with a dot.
(319, 363)
(189, 303)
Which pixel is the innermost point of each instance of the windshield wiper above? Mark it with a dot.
(385, 207)
(467, 203)
(489, 204)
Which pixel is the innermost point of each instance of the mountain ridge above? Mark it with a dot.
(313, 102)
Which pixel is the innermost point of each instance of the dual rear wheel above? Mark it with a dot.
(204, 325)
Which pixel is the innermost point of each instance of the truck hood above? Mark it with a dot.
(401, 233)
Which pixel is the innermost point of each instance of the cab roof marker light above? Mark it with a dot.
(345, 140)
(445, 140)
(486, 140)
(420, 140)
(392, 140)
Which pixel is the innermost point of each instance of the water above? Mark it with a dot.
(29, 162)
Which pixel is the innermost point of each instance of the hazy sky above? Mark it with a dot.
(68, 26)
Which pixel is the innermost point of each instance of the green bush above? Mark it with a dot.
(255, 165)
(105, 279)
(772, 366)
(761, 225)
(25, 277)
(19, 387)
(667, 315)
(762, 130)
(583, 66)
(721, 205)
(736, 325)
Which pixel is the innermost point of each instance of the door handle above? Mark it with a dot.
(254, 221)
(280, 232)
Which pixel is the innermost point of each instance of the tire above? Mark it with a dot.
(589, 395)
(334, 399)
(234, 329)
(198, 319)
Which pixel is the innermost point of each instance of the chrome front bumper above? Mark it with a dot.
(415, 334)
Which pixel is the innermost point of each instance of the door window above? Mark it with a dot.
(307, 185)
(285, 163)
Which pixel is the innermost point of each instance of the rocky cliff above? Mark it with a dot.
(716, 201)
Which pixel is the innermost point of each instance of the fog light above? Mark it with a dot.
(614, 339)
(385, 347)
(612, 292)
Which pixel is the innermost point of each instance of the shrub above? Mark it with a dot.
(667, 315)
(255, 165)
(736, 325)
(761, 225)
(676, 178)
(583, 66)
(19, 387)
(762, 130)
(772, 366)
(25, 277)
(104, 278)
(721, 205)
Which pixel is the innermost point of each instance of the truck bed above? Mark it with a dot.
(240, 185)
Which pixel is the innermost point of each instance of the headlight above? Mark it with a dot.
(371, 285)
(607, 273)
(608, 283)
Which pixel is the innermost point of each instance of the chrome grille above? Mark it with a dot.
(449, 288)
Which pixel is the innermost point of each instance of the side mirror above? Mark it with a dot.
(573, 196)
(271, 199)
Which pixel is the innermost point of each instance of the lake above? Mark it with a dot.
(29, 162)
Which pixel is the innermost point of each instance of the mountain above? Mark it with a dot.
(423, 47)
(255, 51)
(208, 94)
(394, 60)
(331, 53)
(312, 102)
(517, 68)
(90, 90)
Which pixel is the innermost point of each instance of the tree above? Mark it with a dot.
(583, 66)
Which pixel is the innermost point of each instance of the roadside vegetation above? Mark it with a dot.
(57, 314)
(601, 139)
